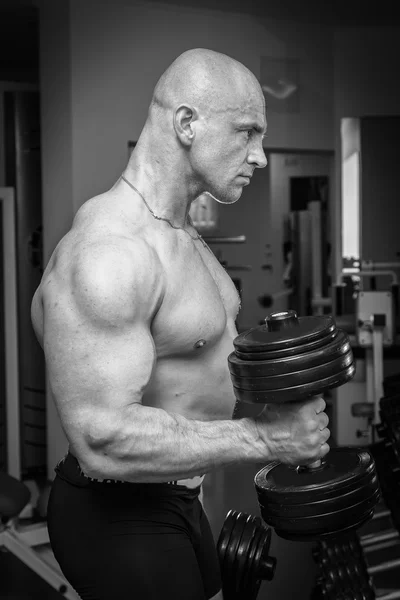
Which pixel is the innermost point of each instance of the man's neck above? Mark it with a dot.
(162, 183)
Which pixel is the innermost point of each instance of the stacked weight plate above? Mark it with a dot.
(342, 571)
(243, 547)
(272, 366)
(304, 504)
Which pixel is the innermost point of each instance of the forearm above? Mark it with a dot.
(154, 446)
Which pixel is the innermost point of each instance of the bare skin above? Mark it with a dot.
(137, 318)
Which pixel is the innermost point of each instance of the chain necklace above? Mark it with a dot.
(189, 220)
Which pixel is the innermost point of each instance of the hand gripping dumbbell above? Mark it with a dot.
(289, 359)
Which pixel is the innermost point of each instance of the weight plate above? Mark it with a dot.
(297, 378)
(334, 348)
(247, 583)
(331, 521)
(342, 470)
(320, 496)
(305, 347)
(241, 565)
(224, 537)
(229, 535)
(322, 534)
(338, 501)
(330, 526)
(229, 572)
(300, 392)
(301, 331)
(254, 578)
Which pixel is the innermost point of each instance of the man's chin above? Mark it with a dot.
(225, 198)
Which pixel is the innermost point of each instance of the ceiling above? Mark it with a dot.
(19, 23)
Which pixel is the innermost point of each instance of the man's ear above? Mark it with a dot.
(184, 118)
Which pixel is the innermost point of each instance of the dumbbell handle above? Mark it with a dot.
(315, 465)
(267, 568)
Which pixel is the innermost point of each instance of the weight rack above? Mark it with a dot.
(345, 570)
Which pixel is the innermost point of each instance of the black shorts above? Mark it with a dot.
(133, 541)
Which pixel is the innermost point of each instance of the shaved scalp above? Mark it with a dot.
(209, 81)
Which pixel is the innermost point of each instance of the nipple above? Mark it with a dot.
(200, 344)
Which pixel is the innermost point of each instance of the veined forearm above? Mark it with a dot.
(156, 446)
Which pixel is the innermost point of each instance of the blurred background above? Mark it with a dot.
(316, 231)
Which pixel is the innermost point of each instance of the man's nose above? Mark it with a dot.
(258, 158)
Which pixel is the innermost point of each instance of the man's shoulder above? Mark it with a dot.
(107, 278)
(102, 232)
(101, 249)
(115, 256)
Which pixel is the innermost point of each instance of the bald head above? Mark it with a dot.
(208, 80)
(204, 129)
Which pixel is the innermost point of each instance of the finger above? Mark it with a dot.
(317, 402)
(323, 421)
(320, 405)
(325, 435)
(324, 449)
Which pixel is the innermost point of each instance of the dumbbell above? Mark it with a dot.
(291, 358)
(243, 547)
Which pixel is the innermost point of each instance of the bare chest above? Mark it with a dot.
(200, 304)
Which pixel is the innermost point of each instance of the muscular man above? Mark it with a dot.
(136, 318)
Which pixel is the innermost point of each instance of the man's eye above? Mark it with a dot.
(249, 133)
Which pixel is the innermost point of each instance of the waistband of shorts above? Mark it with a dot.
(69, 468)
(191, 483)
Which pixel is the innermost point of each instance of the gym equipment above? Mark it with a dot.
(344, 573)
(243, 547)
(288, 359)
(28, 542)
(369, 316)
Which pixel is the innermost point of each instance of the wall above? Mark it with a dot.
(118, 51)
(366, 66)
